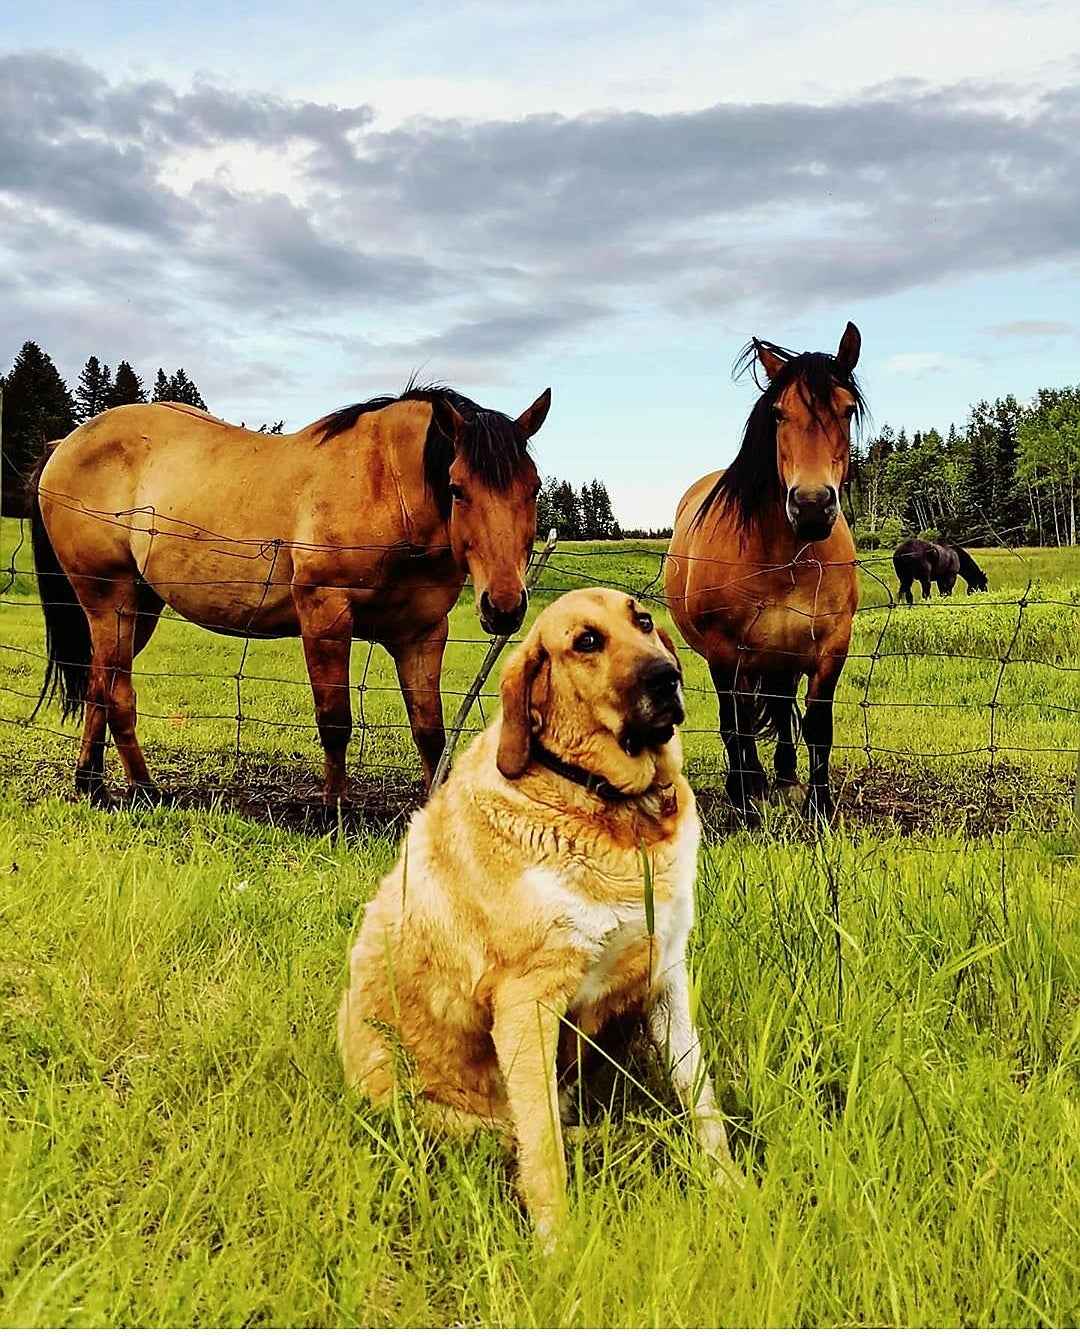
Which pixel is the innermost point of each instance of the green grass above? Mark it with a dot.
(892, 1021)
(179, 1150)
(946, 686)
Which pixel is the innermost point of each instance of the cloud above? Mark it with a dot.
(928, 364)
(1031, 329)
(453, 238)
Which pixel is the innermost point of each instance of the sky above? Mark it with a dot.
(305, 205)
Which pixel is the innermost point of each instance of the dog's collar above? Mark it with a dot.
(603, 788)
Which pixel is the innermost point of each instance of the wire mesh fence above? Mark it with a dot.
(964, 708)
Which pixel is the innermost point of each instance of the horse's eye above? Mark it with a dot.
(536, 491)
(849, 412)
(456, 492)
(778, 414)
(589, 641)
(645, 622)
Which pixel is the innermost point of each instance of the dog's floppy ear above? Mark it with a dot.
(669, 645)
(524, 693)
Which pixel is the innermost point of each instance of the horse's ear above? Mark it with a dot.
(669, 645)
(524, 692)
(450, 421)
(770, 363)
(847, 355)
(532, 419)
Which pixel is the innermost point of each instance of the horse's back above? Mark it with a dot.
(178, 498)
(111, 457)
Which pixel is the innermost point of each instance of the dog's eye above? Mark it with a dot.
(645, 623)
(589, 641)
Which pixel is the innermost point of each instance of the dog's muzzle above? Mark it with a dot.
(659, 708)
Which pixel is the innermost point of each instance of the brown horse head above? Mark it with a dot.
(812, 408)
(796, 449)
(491, 487)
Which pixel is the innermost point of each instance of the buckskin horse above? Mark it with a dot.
(364, 524)
(942, 562)
(760, 573)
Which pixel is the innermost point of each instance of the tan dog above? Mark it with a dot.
(515, 916)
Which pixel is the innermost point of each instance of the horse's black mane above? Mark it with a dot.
(751, 482)
(494, 447)
(970, 569)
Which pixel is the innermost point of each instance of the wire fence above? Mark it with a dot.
(979, 695)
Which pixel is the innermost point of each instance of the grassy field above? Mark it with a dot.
(893, 1019)
(938, 689)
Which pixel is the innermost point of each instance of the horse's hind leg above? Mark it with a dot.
(116, 633)
(778, 692)
(326, 626)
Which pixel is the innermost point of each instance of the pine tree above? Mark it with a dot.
(93, 390)
(127, 388)
(161, 387)
(38, 408)
(183, 390)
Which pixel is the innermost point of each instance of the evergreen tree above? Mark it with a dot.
(38, 408)
(183, 390)
(567, 507)
(602, 517)
(161, 387)
(93, 390)
(127, 388)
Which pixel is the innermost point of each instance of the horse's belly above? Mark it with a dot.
(237, 589)
(786, 637)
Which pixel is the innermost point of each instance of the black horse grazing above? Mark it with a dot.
(943, 562)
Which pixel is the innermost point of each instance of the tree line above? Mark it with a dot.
(573, 513)
(39, 407)
(1010, 475)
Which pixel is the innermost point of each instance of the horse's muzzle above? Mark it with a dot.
(812, 512)
(498, 623)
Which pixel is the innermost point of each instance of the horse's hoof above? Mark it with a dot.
(748, 817)
(789, 793)
(819, 809)
(101, 798)
(145, 795)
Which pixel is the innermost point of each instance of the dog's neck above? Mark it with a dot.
(598, 785)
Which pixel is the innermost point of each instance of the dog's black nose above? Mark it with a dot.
(660, 678)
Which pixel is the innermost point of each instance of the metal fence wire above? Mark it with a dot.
(987, 685)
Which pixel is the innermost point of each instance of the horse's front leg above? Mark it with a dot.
(746, 776)
(419, 669)
(818, 731)
(326, 628)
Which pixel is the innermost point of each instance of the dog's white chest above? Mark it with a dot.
(597, 980)
(604, 932)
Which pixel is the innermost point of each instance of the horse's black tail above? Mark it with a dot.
(67, 632)
(770, 708)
